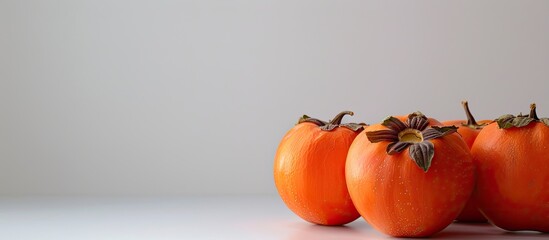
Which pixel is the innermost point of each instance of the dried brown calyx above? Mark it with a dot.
(415, 134)
(334, 123)
(510, 121)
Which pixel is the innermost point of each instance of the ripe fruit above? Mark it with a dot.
(309, 170)
(469, 130)
(512, 158)
(409, 179)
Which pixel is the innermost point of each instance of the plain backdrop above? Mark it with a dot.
(162, 97)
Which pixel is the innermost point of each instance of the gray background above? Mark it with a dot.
(192, 97)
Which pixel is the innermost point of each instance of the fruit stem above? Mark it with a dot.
(339, 117)
(533, 113)
(470, 119)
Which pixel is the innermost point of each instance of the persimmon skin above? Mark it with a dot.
(398, 198)
(309, 173)
(470, 212)
(468, 134)
(513, 176)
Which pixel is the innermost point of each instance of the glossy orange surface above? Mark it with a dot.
(397, 197)
(309, 173)
(468, 134)
(513, 176)
(470, 213)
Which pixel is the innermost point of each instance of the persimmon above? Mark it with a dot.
(309, 170)
(409, 179)
(469, 130)
(512, 158)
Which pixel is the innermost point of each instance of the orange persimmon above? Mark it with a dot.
(309, 170)
(469, 130)
(409, 179)
(512, 158)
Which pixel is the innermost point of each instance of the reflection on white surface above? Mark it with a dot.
(190, 218)
(341, 232)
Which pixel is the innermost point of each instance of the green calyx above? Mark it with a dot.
(414, 134)
(334, 123)
(509, 121)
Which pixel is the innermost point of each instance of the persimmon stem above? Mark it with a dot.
(508, 120)
(533, 113)
(339, 117)
(334, 123)
(470, 119)
(471, 122)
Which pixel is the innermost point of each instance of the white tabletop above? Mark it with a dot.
(243, 217)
